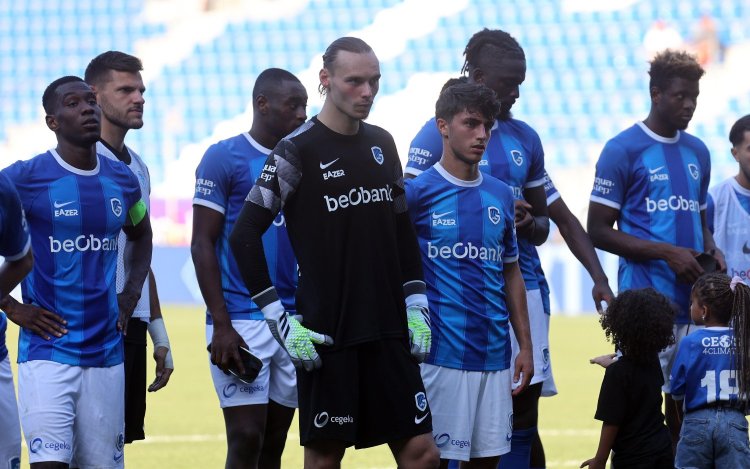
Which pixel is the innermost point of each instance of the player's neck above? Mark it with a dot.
(337, 121)
(659, 127)
(459, 169)
(114, 135)
(80, 157)
(261, 135)
(742, 180)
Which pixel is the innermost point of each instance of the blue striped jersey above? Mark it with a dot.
(514, 155)
(224, 177)
(659, 187)
(466, 232)
(74, 217)
(14, 238)
(705, 370)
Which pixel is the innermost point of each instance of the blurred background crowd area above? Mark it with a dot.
(586, 80)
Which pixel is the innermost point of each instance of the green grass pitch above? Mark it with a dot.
(185, 429)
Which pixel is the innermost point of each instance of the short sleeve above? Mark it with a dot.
(425, 150)
(212, 178)
(510, 243)
(550, 190)
(611, 407)
(611, 178)
(14, 232)
(678, 375)
(710, 211)
(537, 175)
(705, 178)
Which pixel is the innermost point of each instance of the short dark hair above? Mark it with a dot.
(670, 64)
(472, 97)
(98, 69)
(346, 43)
(737, 133)
(270, 78)
(639, 323)
(453, 81)
(49, 98)
(495, 42)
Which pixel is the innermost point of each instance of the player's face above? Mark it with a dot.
(741, 154)
(77, 117)
(287, 108)
(676, 104)
(352, 83)
(504, 78)
(465, 136)
(121, 99)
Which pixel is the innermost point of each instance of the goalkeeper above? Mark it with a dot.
(464, 221)
(361, 291)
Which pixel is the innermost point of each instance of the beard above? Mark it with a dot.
(120, 118)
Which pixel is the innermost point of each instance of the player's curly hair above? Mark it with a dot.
(472, 97)
(729, 305)
(670, 64)
(493, 43)
(639, 323)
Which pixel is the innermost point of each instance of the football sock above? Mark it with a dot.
(520, 450)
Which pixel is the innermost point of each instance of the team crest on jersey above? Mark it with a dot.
(421, 400)
(517, 157)
(377, 153)
(116, 206)
(694, 171)
(494, 214)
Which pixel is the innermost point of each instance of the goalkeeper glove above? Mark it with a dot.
(296, 339)
(420, 336)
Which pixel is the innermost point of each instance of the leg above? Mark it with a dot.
(324, 454)
(417, 452)
(135, 380)
(538, 458)
(481, 463)
(525, 418)
(278, 420)
(49, 465)
(245, 426)
(672, 419)
(10, 429)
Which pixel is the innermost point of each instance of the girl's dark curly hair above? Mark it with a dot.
(639, 323)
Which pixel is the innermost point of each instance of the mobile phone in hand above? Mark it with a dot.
(707, 262)
(251, 363)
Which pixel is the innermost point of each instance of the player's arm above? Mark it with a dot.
(601, 222)
(532, 215)
(519, 319)
(158, 332)
(225, 341)
(606, 441)
(709, 245)
(136, 260)
(579, 243)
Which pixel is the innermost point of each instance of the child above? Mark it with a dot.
(639, 324)
(710, 371)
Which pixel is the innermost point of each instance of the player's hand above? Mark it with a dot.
(38, 320)
(298, 340)
(524, 219)
(420, 335)
(524, 370)
(164, 368)
(593, 463)
(604, 360)
(683, 263)
(126, 303)
(225, 349)
(719, 256)
(601, 294)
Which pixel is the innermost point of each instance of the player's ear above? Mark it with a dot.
(325, 78)
(51, 122)
(442, 126)
(261, 102)
(477, 75)
(655, 93)
(734, 153)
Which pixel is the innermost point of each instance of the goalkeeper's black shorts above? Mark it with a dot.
(364, 395)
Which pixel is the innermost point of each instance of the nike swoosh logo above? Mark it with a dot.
(60, 205)
(746, 248)
(324, 166)
(440, 215)
(655, 170)
(419, 420)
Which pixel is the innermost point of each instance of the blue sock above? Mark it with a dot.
(520, 450)
(452, 464)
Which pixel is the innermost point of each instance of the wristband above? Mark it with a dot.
(158, 332)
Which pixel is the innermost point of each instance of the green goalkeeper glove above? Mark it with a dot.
(296, 339)
(420, 336)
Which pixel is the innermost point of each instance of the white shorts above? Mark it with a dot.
(277, 379)
(539, 325)
(73, 413)
(10, 429)
(666, 356)
(472, 411)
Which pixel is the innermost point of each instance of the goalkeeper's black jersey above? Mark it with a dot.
(345, 209)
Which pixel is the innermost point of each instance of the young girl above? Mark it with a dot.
(711, 370)
(639, 324)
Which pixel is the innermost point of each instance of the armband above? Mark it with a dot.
(137, 212)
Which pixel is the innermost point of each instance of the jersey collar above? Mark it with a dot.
(454, 180)
(657, 137)
(73, 169)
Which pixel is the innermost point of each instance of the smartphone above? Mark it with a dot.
(707, 262)
(251, 363)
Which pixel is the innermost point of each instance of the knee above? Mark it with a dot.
(245, 440)
(423, 456)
